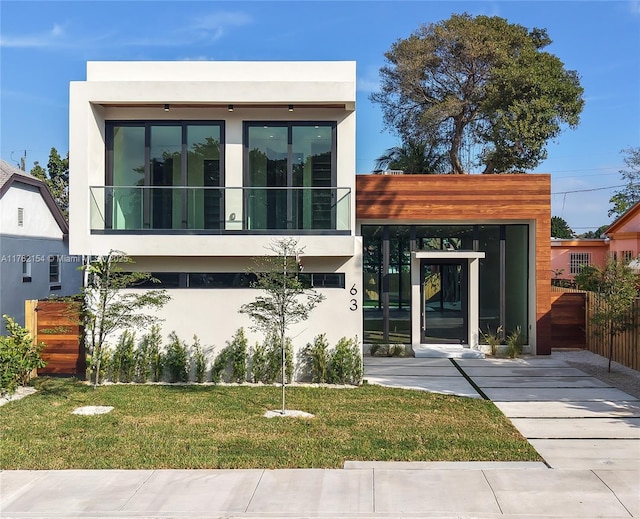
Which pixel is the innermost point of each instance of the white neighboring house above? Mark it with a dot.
(195, 168)
(34, 249)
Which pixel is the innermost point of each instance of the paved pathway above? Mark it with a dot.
(587, 432)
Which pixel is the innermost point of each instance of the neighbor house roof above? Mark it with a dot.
(625, 218)
(9, 175)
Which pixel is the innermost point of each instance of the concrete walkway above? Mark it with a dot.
(587, 432)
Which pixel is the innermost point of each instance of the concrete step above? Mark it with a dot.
(446, 351)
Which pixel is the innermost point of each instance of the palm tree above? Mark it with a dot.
(412, 158)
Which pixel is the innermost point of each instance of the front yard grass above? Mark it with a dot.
(163, 426)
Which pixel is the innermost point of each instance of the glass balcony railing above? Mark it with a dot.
(219, 210)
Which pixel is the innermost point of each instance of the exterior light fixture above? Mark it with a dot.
(166, 107)
(230, 108)
(291, 108)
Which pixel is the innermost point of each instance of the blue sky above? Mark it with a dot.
(44, 45)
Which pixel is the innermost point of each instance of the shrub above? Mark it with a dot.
(316, 358)
(176, 359)
(148, 355)
(266, 360)
(19, 356)
(233, 359)
(199, 361)
(258, 367)
(492, 339)
(124, 359)
(345, 365)
(515, 342)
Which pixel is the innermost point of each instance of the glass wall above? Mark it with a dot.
(503, 275)
(290, 167)
(164, 175)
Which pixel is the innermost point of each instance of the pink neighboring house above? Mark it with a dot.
(622, 241)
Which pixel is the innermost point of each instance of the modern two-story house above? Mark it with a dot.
(195, 168)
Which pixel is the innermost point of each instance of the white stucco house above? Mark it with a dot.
(194, 168)
(34, 250)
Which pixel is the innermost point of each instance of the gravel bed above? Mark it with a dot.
(621, 377)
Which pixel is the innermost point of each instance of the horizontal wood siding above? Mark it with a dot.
(469, 199)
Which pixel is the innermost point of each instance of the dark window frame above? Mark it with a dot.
(147, 124)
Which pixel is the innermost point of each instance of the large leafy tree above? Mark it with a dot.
(56, 176)
(560, 228)
(624, 199)
(479, 84)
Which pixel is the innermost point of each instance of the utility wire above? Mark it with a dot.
(586, 190)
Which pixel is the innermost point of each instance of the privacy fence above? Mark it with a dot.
(571, 312)
(57, 324)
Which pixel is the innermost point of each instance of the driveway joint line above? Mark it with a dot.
(611, 490)
(253, 494)
(136, 490)
(469, 379)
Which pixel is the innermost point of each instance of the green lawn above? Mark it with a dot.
(160, 426)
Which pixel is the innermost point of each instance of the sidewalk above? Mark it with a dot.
(587, 431)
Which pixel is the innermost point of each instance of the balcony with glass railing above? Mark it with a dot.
(220, 210)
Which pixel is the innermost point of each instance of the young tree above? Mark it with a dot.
(479, 82)
(56, 176)
(286, 300)
(624, 199)
(108, 308)
(616, 292)
(560, 228)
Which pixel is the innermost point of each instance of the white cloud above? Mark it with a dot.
(634, 7)
(214, 25)
(44, 39)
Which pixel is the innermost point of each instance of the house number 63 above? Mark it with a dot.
(353, 302)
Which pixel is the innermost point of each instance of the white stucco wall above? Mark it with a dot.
(259, 91)
(212, 314)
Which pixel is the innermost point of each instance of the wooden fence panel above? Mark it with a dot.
(625, 345)
(56, 323)
(568, 315)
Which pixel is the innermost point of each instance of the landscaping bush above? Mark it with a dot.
(345, 364)
(199, 361)
(123, 363)
(148, 358)
(176, 359)
(232, 360)
(316, 359)
(19, 356)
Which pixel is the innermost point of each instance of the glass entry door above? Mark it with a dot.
(445, 312)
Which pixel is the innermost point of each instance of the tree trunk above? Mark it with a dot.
(456, 143)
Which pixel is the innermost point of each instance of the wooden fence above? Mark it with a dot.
(56, 324)
(625, 345)
(568, 316)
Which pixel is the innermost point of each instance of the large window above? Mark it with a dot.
(290, 171)
(164, 175)
(503, 274)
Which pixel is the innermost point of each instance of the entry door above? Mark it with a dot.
(445, 308)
